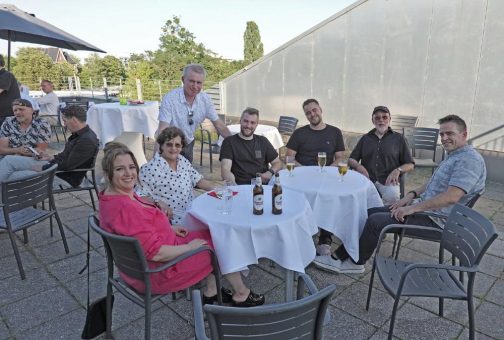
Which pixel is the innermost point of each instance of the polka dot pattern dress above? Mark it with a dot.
(175, 188)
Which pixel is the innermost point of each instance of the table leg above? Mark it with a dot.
(134, 141)
(289, 285)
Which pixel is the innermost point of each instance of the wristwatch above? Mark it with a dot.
(272, 171)
(400, 170)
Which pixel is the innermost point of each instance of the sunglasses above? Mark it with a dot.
(190, 117)
(18, 102)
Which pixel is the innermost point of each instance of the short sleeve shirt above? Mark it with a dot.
(175, 188)
(464, 168)
(248, 156)
(38, 132)
(380, 156)
(308, 143)
(175, 110)
(8, 83)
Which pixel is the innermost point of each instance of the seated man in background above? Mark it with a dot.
(305, 144)
(458, 179)
(384, 155)
(78, 152)
(245, 154)
(49, 102)
(23, 130)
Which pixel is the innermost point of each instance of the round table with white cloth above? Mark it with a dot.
(125, 124)
(268, 131)
(241, 238)
(339, 207)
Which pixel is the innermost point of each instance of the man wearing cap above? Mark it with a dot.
(186, 107)
(78, 152)
(9, 91)
(23, 130)
(383, 155)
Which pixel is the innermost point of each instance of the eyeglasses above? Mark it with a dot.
(174, 145)
(381, 117)
(190, 117)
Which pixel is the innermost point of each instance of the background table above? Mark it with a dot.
(268, 131)
(125, 124)
(339, 207)
(241, 238)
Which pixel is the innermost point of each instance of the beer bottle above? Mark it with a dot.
(276, 196)
(258, 196)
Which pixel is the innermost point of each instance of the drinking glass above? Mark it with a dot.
(342, 168)
(291, 163)
(322, 158)
(227, 200)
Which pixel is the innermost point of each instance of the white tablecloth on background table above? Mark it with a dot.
(268, 131)
(124, 123)
(242, 238)
(339, 207)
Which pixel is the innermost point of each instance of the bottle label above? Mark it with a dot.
(278, 202)
(258, 202)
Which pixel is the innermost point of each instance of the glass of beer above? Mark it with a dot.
(291, 163)
(322, 159)
(342, 168)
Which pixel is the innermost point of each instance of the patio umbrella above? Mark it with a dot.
(17, 25)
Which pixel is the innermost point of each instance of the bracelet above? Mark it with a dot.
(415, 195)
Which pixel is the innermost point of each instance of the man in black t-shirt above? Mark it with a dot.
(9, 90)
(305, 144)
(245, 154)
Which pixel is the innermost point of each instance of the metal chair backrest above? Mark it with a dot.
(28, 191)
(124, 251)
(398, 123)
(419, 138)
(467, 235)
(301, 319)
(287, 125)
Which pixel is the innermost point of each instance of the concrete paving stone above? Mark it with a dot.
(68, 203)
(482, 284)
(165, 324)
(14, 289)
(181, 306)
(42, 236)
(6, 246)
(496, 293)
(413, 322)
(55, 251)
(479, 336)
(75, 213)
(498, 218)
(271, 267)
(346, 326)
(77, 226)
(261, 281)
(497, 248)
(454, 310)
(69, 268)
(124, 311)
(381, 335)
(10, 268)
(68, 326)
(489, 320)
(353, 301)
(491, 265)
(36, 309)
(323, 278)
(95, 239)
(4, 331)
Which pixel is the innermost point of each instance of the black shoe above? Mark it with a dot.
(252, 300)
(227, 297)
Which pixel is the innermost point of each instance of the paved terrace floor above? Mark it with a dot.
(50, 303)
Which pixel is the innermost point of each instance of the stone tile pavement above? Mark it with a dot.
(50, 303)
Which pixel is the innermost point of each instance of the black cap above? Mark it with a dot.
(22, 102)
(381, 109)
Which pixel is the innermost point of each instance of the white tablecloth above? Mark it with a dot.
(241, 238)
(268, 131)
(124, 123)
(339, 207)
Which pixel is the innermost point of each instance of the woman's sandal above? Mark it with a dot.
(227, 297)
(253, 299)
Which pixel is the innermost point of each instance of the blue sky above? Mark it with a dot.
(121, 27)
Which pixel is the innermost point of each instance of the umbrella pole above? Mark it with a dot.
(8, 49)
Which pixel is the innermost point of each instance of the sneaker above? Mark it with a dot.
(338, 266)
(323, 249)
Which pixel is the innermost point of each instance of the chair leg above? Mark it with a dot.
(108, 322)
(470, 310)
(16, 254)
(147, 318)
(396, 237)
(211, 157)
(201, 151)
(51, 226)
(62, 232)
(399, 245)
(92, 199)
(392, 319)
(25, 236)
(371, 281)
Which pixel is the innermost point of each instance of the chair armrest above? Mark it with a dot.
(430, 214)
(413, 266)
(305, 280)
(75, 170)
(180, 258)
(403, 227)
(199, 322)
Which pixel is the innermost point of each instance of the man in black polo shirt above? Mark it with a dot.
(78, 152)
(383, 154)
(9, 90)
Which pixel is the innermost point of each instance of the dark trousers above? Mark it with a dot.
(325, 237)
(187, 151)
(378, 218)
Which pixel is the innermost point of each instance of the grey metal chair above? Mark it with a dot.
(128, 256)
(398, 122)
(55, 122)
(206, 139)
(300, 319)
(426, 139)
(19, 200)
(287, 125)
(467, 235)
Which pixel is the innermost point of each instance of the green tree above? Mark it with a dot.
(32, 65)
(96, 68)
(252, 45)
